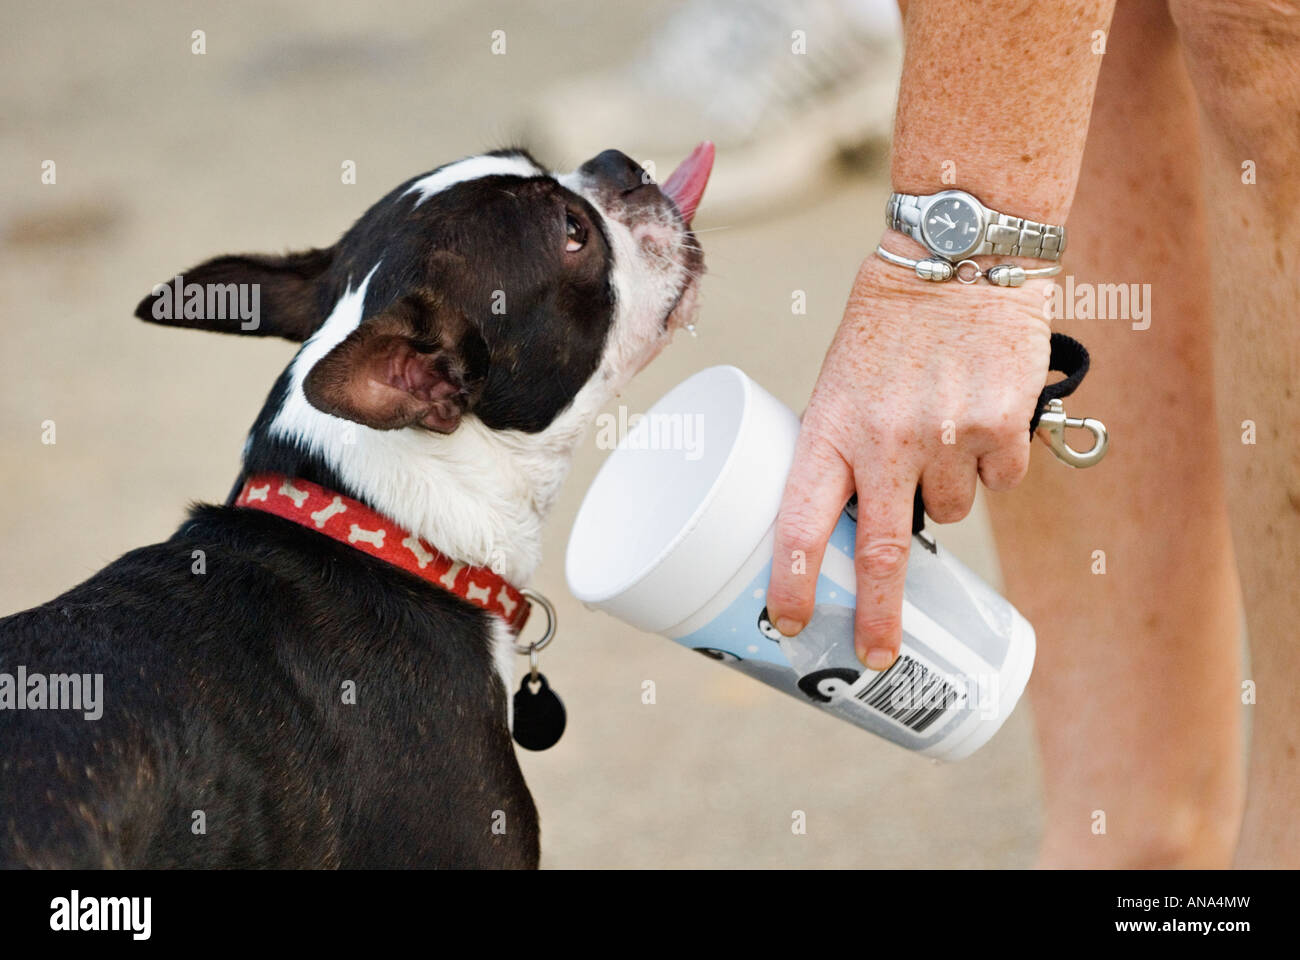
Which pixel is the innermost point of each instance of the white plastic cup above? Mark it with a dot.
(675, 537)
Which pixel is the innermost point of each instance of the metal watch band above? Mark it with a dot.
(1016, 237)
(1004, 236)
(903, 213)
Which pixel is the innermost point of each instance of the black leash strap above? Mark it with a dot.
(1069, 357)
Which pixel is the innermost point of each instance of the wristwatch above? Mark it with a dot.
(954, 225)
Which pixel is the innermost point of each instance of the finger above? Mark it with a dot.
(1005, 465)
(880, 560)
(819, 485)
(948, 487)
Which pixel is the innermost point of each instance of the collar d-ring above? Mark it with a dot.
(531, 650)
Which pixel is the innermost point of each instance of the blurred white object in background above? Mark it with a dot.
(785, 88)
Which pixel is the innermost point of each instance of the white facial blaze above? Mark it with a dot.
(472, 168)
(646, 281)
(480, 495)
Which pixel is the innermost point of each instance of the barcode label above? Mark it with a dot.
(911, 693)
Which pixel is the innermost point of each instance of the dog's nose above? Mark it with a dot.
(616, 170)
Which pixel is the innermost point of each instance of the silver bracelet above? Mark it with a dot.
(939, 270)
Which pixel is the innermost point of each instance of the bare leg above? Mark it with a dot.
(1244, 58)
(1135, 691)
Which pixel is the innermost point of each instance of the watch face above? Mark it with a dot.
(951, 226)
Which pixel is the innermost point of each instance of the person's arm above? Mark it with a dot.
(1004, 91)
(994, 100)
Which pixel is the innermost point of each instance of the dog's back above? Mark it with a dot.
(297, 704)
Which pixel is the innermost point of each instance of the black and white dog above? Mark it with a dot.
(273, 696)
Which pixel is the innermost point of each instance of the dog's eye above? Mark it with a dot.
(575, 234)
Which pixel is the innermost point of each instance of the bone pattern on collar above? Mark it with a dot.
(352, 522)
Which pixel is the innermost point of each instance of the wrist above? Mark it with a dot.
(902, 245)
(1021, 195)
(892, 281)
(955, 224)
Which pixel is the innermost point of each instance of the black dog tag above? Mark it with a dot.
(539, 715)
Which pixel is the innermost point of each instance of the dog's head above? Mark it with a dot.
(488, 287)
(460, 336)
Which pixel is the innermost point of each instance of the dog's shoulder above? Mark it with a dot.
(243, 662)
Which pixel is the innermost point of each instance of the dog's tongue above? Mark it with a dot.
(685, 185)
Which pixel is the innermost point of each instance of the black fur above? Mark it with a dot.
(487, 235)
(466, 243)
(223, 692)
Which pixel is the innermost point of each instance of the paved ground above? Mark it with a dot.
(165, 158)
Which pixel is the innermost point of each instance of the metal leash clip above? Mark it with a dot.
(1052, 426)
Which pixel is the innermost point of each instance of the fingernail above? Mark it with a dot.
(878, 658)
(788, 626)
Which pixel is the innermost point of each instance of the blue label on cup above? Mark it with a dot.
(956, 637)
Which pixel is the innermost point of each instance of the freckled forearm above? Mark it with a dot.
(995, 99)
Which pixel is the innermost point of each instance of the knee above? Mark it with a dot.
(1169, 834)
(1244, 60)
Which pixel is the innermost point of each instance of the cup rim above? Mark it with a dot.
(629, 584)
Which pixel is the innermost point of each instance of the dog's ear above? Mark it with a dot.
(265, 296)
(413, 364)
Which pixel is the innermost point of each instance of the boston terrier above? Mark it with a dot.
(318, 673)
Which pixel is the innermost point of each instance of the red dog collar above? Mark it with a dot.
(352, 522)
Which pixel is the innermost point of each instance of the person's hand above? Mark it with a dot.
(924, 383)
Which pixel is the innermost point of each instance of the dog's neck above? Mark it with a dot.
(478, 495)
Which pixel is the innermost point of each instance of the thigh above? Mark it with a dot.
(1125, 568)
(1152, 376)
(1244, 58)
